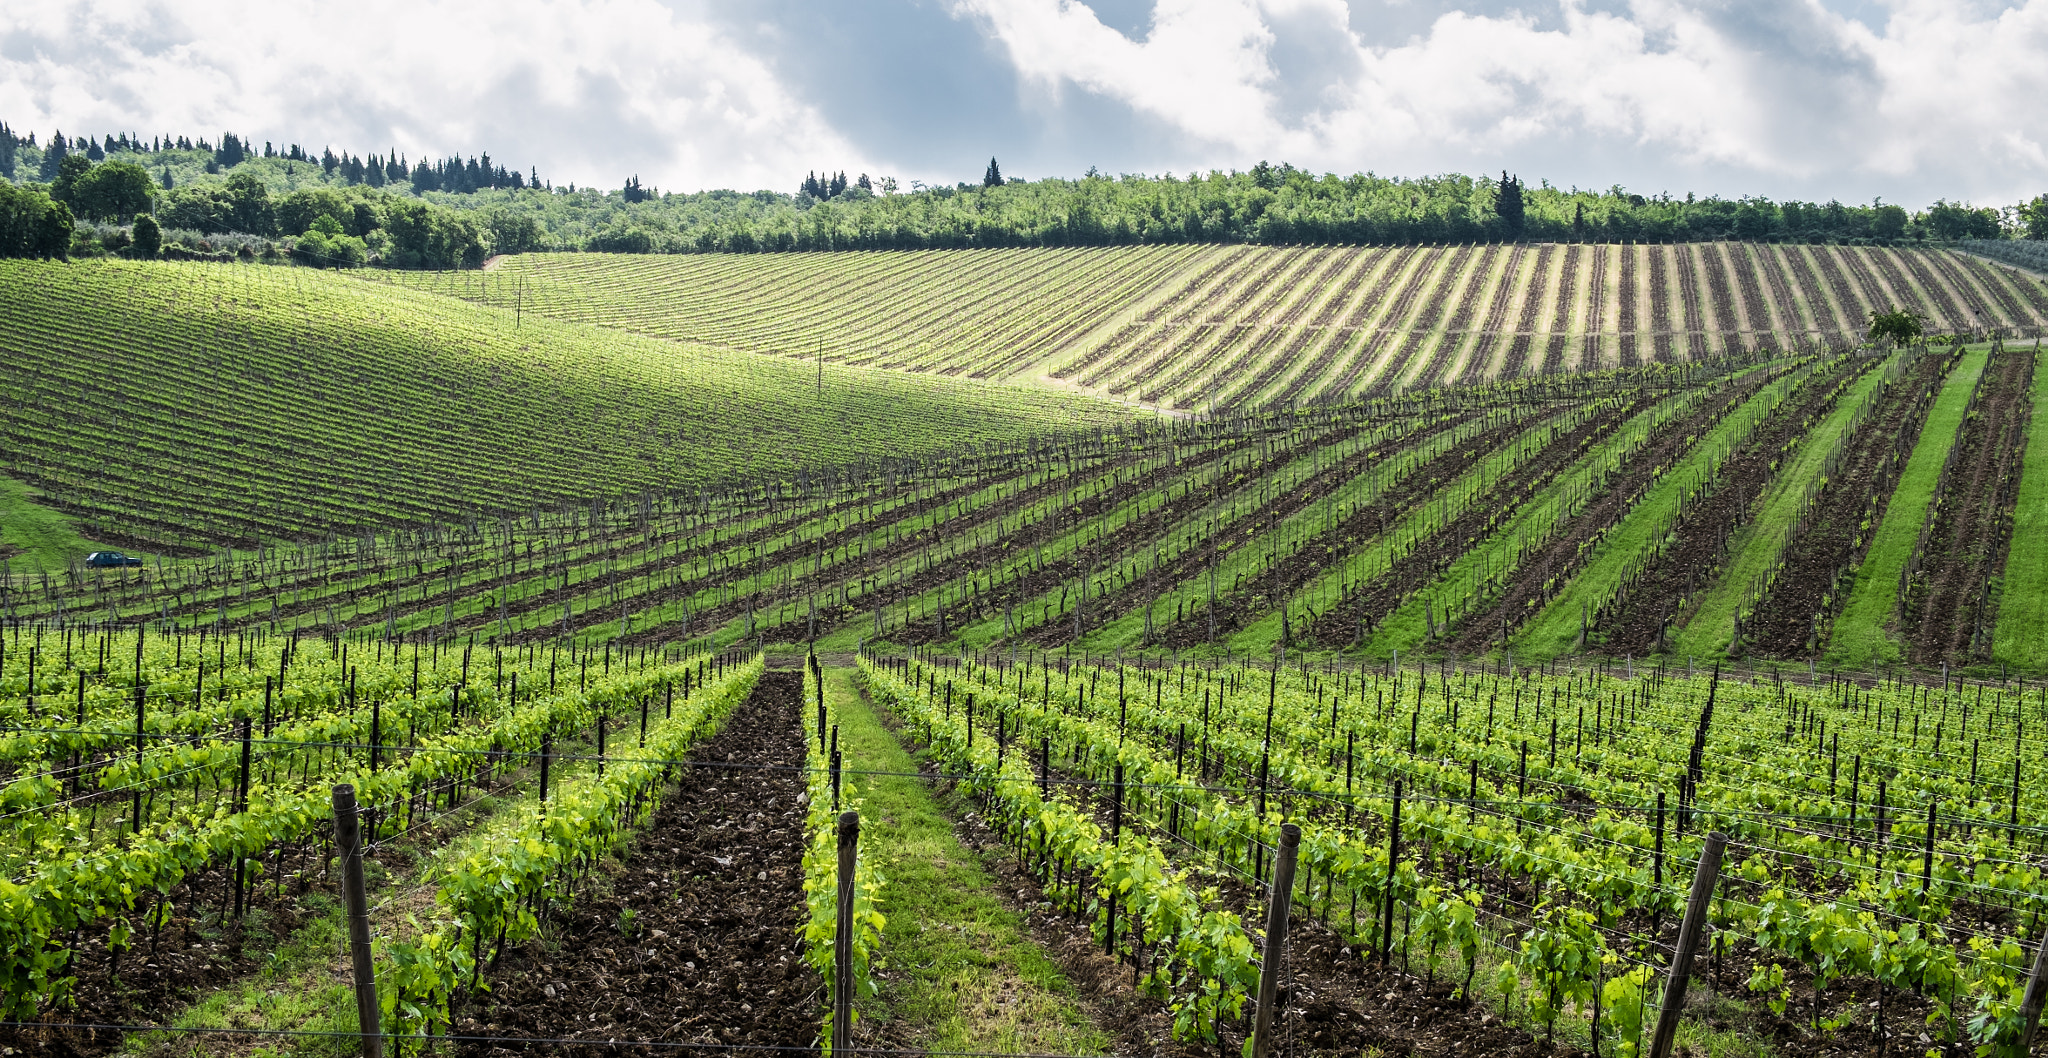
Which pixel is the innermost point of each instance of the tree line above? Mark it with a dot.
(456, 211)
(163, 154)
(90, 207)
(1266, 204)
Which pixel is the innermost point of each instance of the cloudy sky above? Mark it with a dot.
(1907, 100)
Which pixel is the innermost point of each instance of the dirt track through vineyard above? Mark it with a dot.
(715, 886)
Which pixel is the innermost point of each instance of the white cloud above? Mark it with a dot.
(1795, 96)
(590, 91)
(1910, 99)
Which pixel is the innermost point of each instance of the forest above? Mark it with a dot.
(230, 197)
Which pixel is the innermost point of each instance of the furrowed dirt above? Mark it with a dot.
(715, 885)
(1364, 609)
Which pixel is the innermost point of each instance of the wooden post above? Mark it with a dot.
(1277, 908)
(2036, 996)
(1696, 905)
(347, 838)
(1116, 830)
(842, 938)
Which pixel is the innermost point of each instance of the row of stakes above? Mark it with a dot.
(348, 837)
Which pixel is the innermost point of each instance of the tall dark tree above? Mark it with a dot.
(32, 224)
(53, 155)
(1898, 326)
(71, 169)
(1507, 204)
(2034, 217)
(994, 176)
(110, 191)
(231, 152)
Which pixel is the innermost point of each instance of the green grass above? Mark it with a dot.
(1756, 546)
(2021, 637)
(303, 987)
(1406, 629)
(208, 404)
(1861, 637)
(961, 971)
(34, 537)
(304, 984)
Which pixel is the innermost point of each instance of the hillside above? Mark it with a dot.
(1236, 326)
(178, 407)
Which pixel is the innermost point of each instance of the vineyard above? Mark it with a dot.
(1859, 508)
(1200, 327)
(1494, 838)
(511, 682)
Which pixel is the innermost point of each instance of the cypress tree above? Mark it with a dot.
(1508, 204)
(994, 176)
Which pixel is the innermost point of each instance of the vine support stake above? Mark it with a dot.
(842, 937)
(1393, 862)
(1277, 909)
(1696, 905)
(348, 838)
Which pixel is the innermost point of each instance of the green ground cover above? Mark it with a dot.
(1555, 629)
(34, 537)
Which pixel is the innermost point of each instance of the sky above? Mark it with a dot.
(1901, 100)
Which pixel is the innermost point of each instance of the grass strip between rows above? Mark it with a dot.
(963, 973)
(1784, 502)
